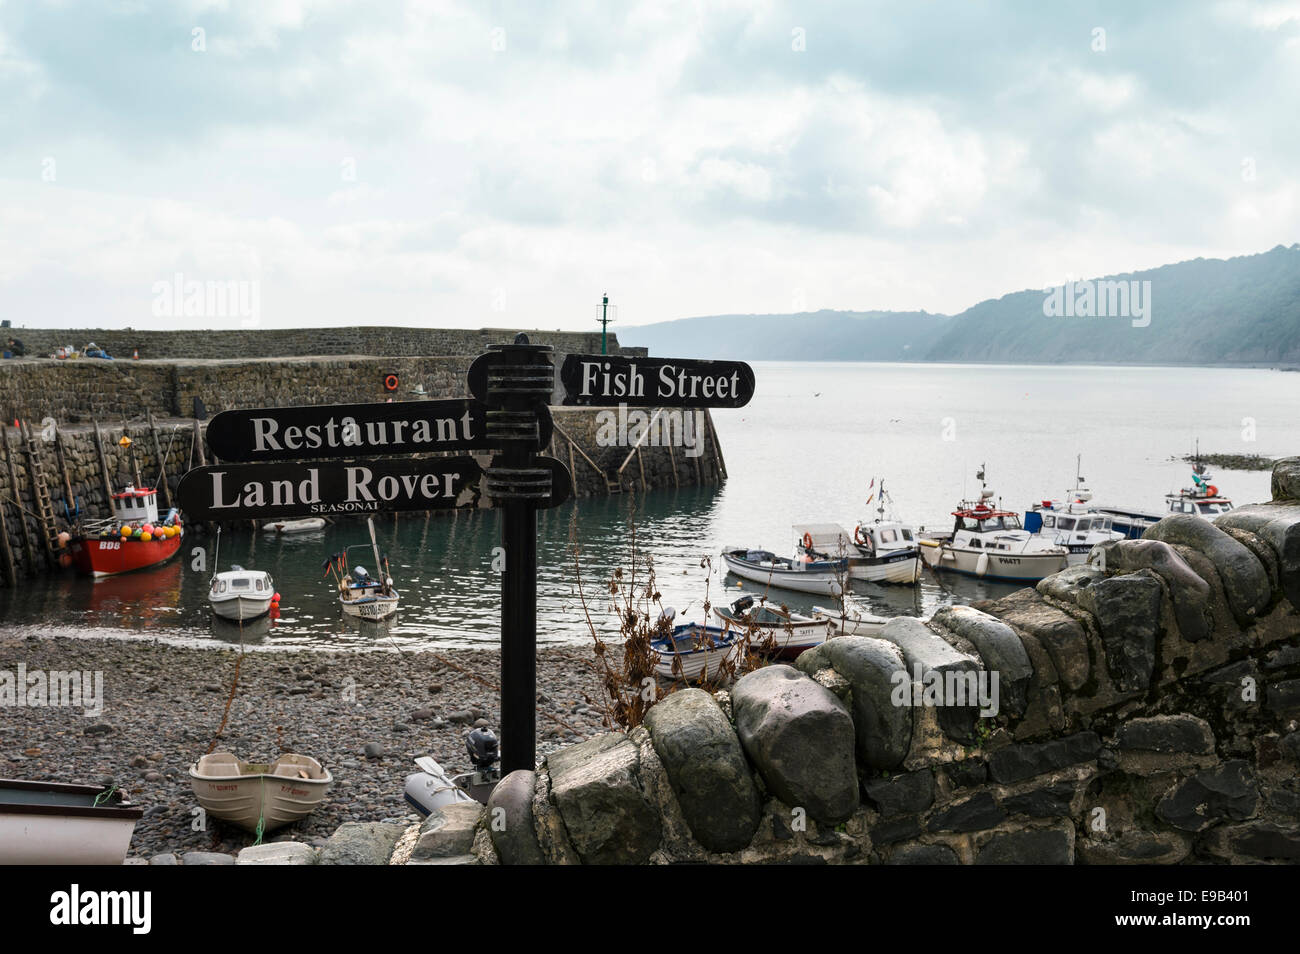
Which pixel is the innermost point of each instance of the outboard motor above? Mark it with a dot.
(484, 751)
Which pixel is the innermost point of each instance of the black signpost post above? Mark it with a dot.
(312, 461)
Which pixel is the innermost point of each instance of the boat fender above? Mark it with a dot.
(982, 565)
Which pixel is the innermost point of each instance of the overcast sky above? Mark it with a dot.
(503, 164)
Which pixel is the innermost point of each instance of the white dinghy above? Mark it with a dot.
(249, 794)
(361, 595)
(55, 823)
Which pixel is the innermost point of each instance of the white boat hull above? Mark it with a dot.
(303, 525)
(853, 624)
(895, 571)
(787, 640)
(63, 839)
(245, 798)
(376, 608)
(991, 565)
(241, 608)
(694, 666)
(801, 581)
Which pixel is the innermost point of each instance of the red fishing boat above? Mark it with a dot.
(133, 539)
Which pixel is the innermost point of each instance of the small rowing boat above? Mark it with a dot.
(55, 823)
(802, 574)
(301, 525)
(692, 652)
(772, 630)
(851, 622)
(249, 794)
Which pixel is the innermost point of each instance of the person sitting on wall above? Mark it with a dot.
(16, 348)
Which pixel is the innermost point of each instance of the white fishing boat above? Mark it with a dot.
(252, 794)
(1202, 499)
(803, 574)
(241, 595)
(361, 595)
(772, 630)
(301, 525)
(1072, 523)
(988, 542)
(888, 549)
(692, 651)
(851, 621)
(56, 823)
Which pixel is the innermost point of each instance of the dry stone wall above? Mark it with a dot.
(1149, 713)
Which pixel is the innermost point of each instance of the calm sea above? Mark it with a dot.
(805, 450)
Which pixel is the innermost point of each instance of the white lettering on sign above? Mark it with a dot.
(674, 383)
(362, 486)
(268, 435)
(254, 493)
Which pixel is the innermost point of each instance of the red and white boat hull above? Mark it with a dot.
(100, 556)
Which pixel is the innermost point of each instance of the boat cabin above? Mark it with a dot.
(240, 582)
(136, 506)
(981, 527)
(1197, 504)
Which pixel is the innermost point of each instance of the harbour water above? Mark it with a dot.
(805, 450)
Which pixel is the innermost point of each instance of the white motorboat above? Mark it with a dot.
(301, 525)
(55, 823)
(988, 542)
(772, 630)
(803, 574)
(1072, 523)
(1202, 499)
(249, 794)
(241, 595)
(878, 552)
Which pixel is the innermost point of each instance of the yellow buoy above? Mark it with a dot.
(126, 531)
(146, 536)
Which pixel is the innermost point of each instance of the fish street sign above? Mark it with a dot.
(349, 430)
(331, 488)
(598, 380)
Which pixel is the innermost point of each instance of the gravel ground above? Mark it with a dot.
(163, 705)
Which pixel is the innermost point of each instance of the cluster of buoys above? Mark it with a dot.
(144, 532)
(275, 606)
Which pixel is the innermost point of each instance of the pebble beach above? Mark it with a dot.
(364, 715)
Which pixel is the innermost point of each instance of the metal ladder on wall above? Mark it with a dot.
(41, 492)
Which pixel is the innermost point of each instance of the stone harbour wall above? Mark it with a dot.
(1149, 713)
(389, 341)
(574, 440)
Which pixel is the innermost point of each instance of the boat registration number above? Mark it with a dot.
(113, 545)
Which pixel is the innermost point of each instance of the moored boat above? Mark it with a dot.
(1202, 499)
(134, 538)
(301, 525)
(240, 595)
(988, 542)
(772, 630)
(55, 823)
(851, 621)
(256, 794)
(693, 651)
(361, 595)
(803, 574)
(1072, 523)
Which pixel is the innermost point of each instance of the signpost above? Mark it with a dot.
(312, 461)
(590, 380)
(350, 430)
